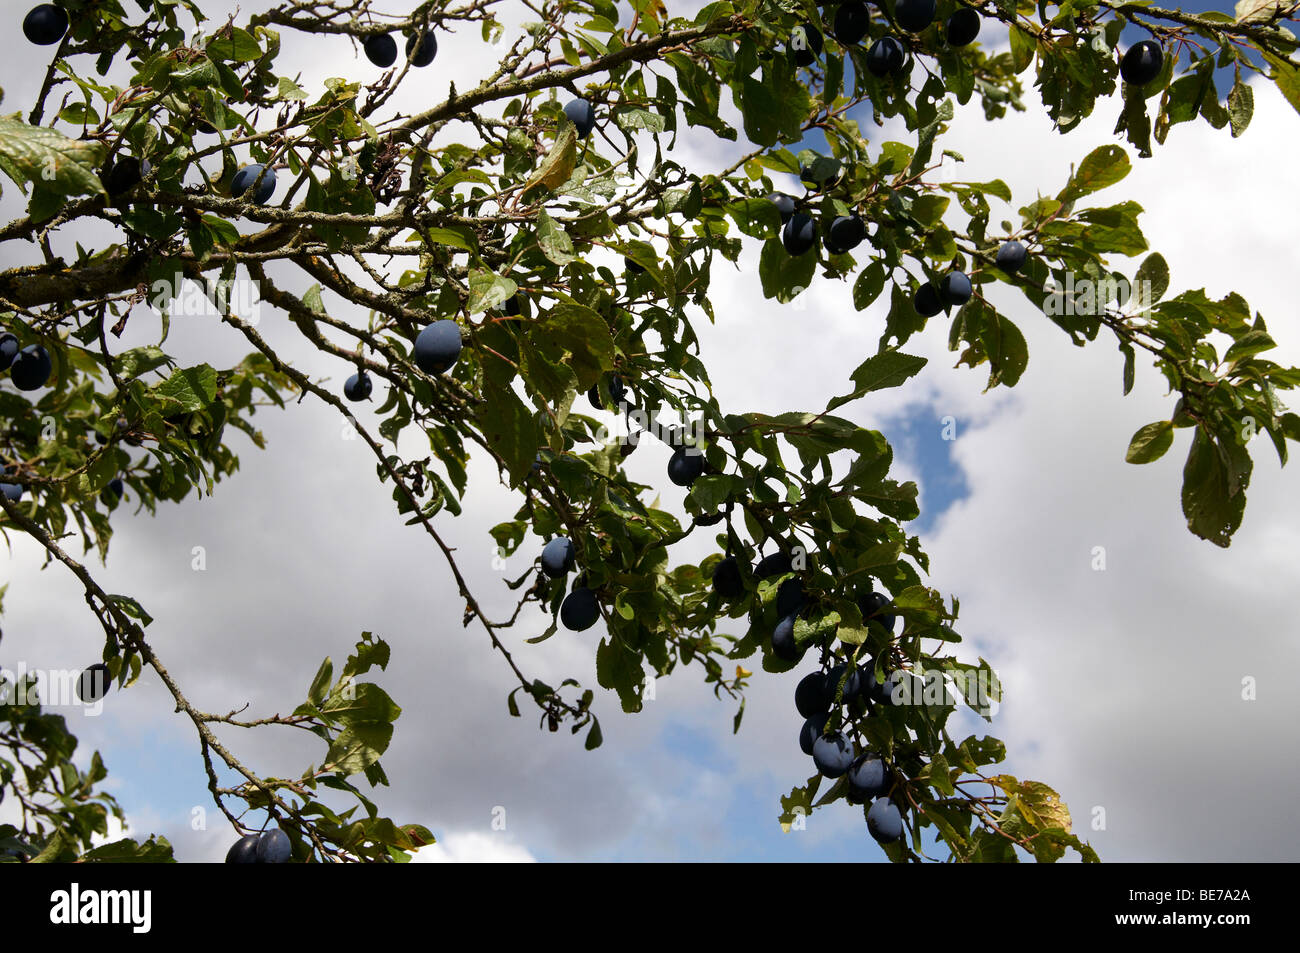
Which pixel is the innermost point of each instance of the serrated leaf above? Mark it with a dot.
(1241, 106)
(59, 165)
(887, 369)
(187, 389)
(1100, 168)
(555, 242)
(488, 290)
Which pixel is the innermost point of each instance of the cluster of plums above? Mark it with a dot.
(955, 288)
(799, 230)
(886, 56)
(846, 232)
(268, 847)
(685, 466)
(29, 367)
(421, 48)
(834, 753)
(255, 181)
(580, 609)
(437, 348)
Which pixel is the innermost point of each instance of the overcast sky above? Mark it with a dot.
(1123, 687)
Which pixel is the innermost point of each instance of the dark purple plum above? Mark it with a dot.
(783, 644)
(421, 50)
(381, 50)
(580, 610)
(833, 754)
(727, 580)
(884, 822)
(583, 116)
(812, 730)
(273, 847)
(558, 557)
(243, 851)
(868, 777)
(811, 696)
(799, 234)
(437, 347)
(1141, 63)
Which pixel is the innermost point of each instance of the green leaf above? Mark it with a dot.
(762, 113)
(1005, 346)
(287, 91)
(1152, 279)
(633, 119)
(234, 44)
(928, 209)
(558, 164)
(783, 276)
(1134, 121)
(511, 431)
(359, 746)
(869, 285)
(974, 753)
(223, 232)
(757, 218)
(1287, 77)
(619, 668)
(1213, 512)
(128, 851)
(188, 389)
(1022, 49)
(47, 158)
(554, 240)
(1150, 442)
(1241, 106)
(581, 332)
(887, 369)
(488, 290)
(798, 803)
(139, 360)
(1129, 366)
(353, 703)
(451, 237)
(1101, 168)
(1248, 11)
(1252, 342)
(321, 683)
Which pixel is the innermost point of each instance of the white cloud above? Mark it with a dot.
(474, 847)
